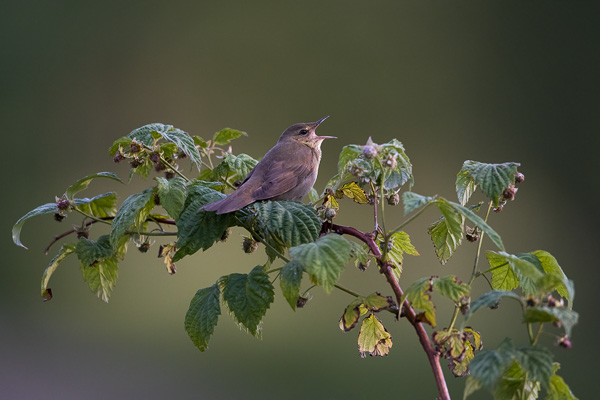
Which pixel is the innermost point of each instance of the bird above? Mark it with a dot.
(287, 171)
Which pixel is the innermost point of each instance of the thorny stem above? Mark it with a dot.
(407, 311)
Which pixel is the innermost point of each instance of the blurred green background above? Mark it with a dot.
(485, 80)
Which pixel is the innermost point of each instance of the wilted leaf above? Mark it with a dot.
(373, 337)
(64, 252)
(48, 208)
(354, 192)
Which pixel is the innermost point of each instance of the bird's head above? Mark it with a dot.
(305, 133)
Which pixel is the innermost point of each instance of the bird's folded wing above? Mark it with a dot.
(280, 178)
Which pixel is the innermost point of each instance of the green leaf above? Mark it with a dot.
(291, 222)
(491, 178)
(568, 318)
(375, 302)
(240, 166)
(402, 242)
(248, 297)
(324, 259)
(490, 299)
(183, 141)
(373, 338)
(354, 192)
(143, 170)
(510, 271)
(101, 206)
(132, 214)
(64, 252)
(83, 183)
(465, 186)
(419, 295)
(119, 143)
(226, 135)
(536, 361)
(412, 201)
(450, 286)
(477, 220)
(360, 253)
(348, 154)
(99, 265)
(290, 279)
(198, 141)
(515, 385)
(551, 267)
(171, 194)
(488, 366)
(313, 195)
(147, 134)
(558, 389)
(402, 174)
(202, 316)
(198, 229)
(48, 208)
(471, 386)
(447, 232)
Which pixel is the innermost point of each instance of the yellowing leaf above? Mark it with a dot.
(354, 192)
(373, 338)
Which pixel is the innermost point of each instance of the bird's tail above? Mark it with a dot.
(231, 203)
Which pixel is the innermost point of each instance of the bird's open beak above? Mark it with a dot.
(323, 137)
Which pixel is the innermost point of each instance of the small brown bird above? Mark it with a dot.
(287, 172)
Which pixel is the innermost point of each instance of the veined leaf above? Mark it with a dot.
(360, 253)
(83, 183)
(348, 154)
(248, 297)
(373, 338)
(451, 287)
(291, 277)
(226, 135)
(412, 201)
(119, 143)
(172, 195)
(488, 366)
(558, 389)
(536, 361)
(354, 192)
(132, 214)
(324, 259)
(491, 178)
(400, 244)
(147, 134)
(352, 314)
(447, 232)
(198, 229)
(375, 302)
(202, 316)
(490, 299)
(514, 384)
(99, 265)
(90, 252)
(402, 173)
(291, 222)
(551, 267)
(508, 270)
(477, 220)
(568, 318)
(48, 208)
(419, 295)
(185, 142)
(65, 251)
(239, 165)
(101, 206)
(465, 186)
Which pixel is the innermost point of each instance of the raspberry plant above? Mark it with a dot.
(303, 240)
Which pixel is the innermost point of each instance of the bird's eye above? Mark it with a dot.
(303, 131)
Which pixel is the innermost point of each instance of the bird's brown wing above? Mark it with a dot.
(280, 179)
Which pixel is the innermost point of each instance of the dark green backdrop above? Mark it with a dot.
(453, 80)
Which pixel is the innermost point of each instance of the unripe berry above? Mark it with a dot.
(330, 213)
(249, 245)
(394, 199)
(118, 157)
(519, 178)
(369, 151)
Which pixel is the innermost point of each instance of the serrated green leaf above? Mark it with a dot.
(290, 279)
(198, 229)
(119, 143)
(477, 220)
(373, 338)
(419, 295)
(238, 166)
(147, 134)
(226, 135)
(471, 386)
(450, 286)
(248, 297)
(558, 389)
(402, 174)
(412, 201)
(48, 208)
(487, 367)
(202, 316)
(510, 271)
(348, 154)
(291, 222)
(83, 183)
(551, 267)
(354, 192)
(171, 194)
(360, 253)
(132, 214)
(568, 318)
(515, 385)
(465, 186)
(402, 242)
(537, 362)
(490, 299)
(65, 251)
(183, 141)
(352, 314)
(90, 252)
(447, 232)
(99, 265)
(323, 260)
(491, 178)
(101, 206)
(143, 169)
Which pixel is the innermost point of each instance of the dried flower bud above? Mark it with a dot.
(364, 266)
(135, 147)
(58, 217)
(394, 199)
(144, 247)
(532, 301)
(62, 204)
(154, 157)
(83, 233)
(118, 157)
(369, 151)
(301, 302)
(500, 207)
(564, 342)
(181, 154)
(391, 162)
(249, 245)
(159, 167)
(225, 235)
(135, 163)
(509, 193)
(472, 234)
(169, 175)
(519, 178)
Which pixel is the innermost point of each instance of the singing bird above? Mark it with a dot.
(287, 172)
